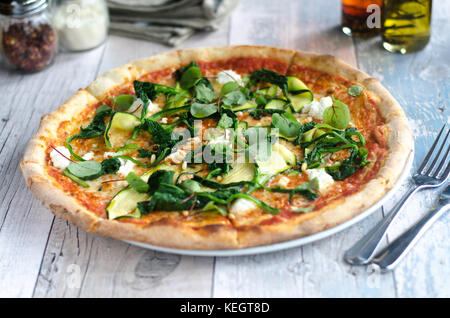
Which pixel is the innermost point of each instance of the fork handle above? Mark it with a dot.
(362, 252)
(389, 257)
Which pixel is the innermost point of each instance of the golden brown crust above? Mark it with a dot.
(176, 234)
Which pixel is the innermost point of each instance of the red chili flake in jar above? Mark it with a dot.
(28, 40)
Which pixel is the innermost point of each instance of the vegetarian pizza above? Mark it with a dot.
(219, 148)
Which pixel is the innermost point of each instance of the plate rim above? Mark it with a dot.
(290, 243)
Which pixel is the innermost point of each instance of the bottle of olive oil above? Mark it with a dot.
(406, 25)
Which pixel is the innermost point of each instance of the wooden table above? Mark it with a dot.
(44, 256)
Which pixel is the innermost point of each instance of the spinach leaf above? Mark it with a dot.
(268, 76)
(304, 128)
(147, 92)
(158, 177)
(96, 128)
(145, 153)
(179, 72)
(307, 189)
(259, 113)
(346, 168)
(216, 185)
(110, 165)
(188, 75)
(222, 165)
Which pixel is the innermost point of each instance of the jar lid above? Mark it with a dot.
(22, 7)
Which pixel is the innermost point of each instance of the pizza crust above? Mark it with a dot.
(175, 234)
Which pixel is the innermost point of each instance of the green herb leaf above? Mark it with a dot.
(234, 98)
(203, 91)
(137, 183)
(85, 170)
(337, 115)
(199, 110)
(355, 90)
(228, 88)
(287, 124)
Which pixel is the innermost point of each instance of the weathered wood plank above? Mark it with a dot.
(24, 223)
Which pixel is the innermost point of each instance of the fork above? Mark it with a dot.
(363, 251)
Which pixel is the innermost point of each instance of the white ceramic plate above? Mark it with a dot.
(292, 243)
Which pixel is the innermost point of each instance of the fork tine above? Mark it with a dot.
(430, 152)
(436, 157)
(439, 168)
(446, 172)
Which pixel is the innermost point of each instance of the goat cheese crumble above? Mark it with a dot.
(226, 76)
(325, 180)
(59, 157)
(316, 108)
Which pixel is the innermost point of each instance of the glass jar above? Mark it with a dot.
(406, 25)
(28, 40)
(81, 24)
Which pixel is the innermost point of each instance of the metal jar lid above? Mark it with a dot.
(22, 7)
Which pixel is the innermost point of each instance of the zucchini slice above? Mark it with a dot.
(240, 172)
(277, 162)
(246, 106)
(300, 100)
(269, 92)
(123, 204)
(120, 129)
(299, 93)
(276, 104)
(288, 155)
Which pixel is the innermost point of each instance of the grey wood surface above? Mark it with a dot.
(44, 256)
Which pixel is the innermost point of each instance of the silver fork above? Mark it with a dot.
(425, 177)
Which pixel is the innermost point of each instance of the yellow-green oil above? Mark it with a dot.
(406, 25)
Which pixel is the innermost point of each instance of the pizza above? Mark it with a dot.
(219, 148)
